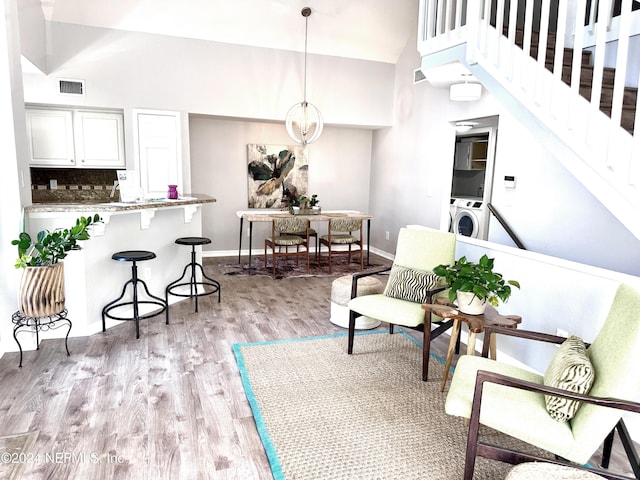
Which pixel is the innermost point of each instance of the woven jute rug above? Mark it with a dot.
(323, 414)
(16, 451)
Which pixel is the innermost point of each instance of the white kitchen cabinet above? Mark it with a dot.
(50, 135)
(99, 139)
(75, 138)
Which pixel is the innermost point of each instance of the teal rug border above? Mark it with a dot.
(274, 461)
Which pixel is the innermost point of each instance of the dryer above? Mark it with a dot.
(471, 218)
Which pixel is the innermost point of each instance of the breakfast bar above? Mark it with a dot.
(92, 278)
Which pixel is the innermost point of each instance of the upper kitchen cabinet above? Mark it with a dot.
(75, 138)
(471, 152)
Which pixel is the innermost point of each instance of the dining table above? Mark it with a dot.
(267, 215)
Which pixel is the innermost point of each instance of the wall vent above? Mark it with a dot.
(70, 87)
(418, 76)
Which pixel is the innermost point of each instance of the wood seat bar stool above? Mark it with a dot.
(193, 283)
(134, 256)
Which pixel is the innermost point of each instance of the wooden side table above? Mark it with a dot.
(476, 323)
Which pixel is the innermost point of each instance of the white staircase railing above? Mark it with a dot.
(517, 47)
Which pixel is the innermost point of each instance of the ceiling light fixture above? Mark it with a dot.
(462, 127)
(465, 92)
(304, 120)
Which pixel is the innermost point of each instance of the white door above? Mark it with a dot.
(159, 151)
(50, 134)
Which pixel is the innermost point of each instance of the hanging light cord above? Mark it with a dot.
(306, 26)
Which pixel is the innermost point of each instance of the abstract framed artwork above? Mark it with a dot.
(275, 173)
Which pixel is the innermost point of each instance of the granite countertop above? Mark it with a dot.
(188, 199)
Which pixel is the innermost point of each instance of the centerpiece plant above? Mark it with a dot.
(41, 292)
(471, 281)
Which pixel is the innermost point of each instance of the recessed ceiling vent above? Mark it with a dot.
(70, 87)
(418, 76)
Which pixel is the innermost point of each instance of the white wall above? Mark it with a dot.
(32, 33)
(550, 210)
(338, 172)
(12, 146)
(138, 70)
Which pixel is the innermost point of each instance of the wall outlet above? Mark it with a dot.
(248, 232)
(53, 184)
(386, 235)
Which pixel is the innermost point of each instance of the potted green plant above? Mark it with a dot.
(313, 203)
(473, 284)
(41, 292)
(303, 201)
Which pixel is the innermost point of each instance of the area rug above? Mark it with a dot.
(287, 268)
(16, 451)
(324, 414)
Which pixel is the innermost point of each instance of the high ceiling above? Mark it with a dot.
(375, 30)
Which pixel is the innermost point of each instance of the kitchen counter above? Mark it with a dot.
(113, 207)
(146, 209)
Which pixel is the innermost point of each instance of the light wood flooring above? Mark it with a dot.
(169, 405)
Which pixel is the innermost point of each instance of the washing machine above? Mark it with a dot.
(471, 218)
(453, 209)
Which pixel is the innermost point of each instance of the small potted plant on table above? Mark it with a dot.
(473, 284)
(313, 203)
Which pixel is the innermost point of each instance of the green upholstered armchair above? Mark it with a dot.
(511, 400)
(410, 284)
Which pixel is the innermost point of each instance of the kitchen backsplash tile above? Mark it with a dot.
(73, 185)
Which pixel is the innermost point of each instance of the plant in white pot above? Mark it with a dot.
(472, 284)
(313, 203)
(41, 292)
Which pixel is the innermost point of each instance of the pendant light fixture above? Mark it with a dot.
(465, 92)
(304, 120)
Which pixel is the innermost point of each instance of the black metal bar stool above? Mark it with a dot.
(134, 256)
(193, 283)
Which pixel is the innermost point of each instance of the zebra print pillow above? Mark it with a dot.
(409, 284)
(570, 369)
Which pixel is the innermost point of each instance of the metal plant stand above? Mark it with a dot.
(40, 324)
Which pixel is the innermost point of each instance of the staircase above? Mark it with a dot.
(630, 96)
(549, 70)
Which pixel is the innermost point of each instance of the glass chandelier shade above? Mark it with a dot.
(304, 121)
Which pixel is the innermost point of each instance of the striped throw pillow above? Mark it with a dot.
(410, 284)
(570, 369)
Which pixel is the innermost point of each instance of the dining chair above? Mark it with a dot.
(340, 235)
(556, 412)
(411, 283)
(280, 242)
(312, 234)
